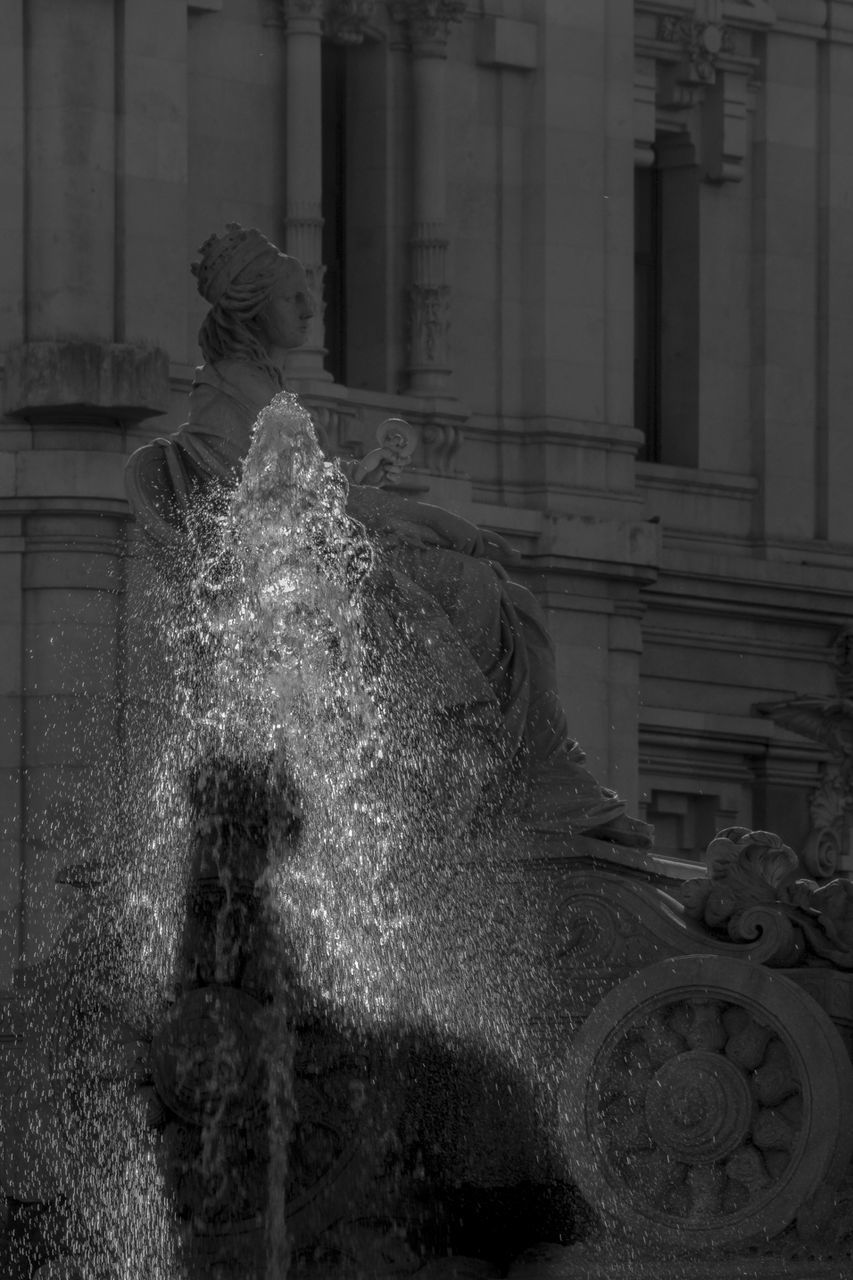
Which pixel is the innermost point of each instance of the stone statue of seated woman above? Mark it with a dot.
(484, 633)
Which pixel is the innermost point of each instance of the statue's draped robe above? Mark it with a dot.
(477, 643)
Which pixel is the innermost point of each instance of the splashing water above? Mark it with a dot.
(293, 750)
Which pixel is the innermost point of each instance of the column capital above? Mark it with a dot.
(343, 21)
(348, 20)
(428, 23)
(303, 16)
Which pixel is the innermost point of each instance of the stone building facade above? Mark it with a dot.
(599, 253)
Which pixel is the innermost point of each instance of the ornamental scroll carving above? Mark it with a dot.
(757, 887)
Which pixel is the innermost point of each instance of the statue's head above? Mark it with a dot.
(260, 302)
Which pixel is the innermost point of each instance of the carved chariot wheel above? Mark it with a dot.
(707, 1101)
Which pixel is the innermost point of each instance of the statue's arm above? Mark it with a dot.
(384, 512)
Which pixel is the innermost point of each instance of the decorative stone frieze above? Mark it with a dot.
(428, 28)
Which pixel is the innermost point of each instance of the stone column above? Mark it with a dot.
(785, 288)
(304, 167)
(429, 293)
(70, 171)
(835, 197)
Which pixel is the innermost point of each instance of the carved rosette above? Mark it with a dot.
(707, 1103)
(206, 1056)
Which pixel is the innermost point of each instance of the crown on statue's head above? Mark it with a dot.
(223, 258)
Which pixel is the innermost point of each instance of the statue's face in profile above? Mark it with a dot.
(285, 318)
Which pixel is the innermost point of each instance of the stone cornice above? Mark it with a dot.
(754, 14)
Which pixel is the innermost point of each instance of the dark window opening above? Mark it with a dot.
(647, 301)
(667, 303)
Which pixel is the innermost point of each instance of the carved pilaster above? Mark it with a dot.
(304, 240)
(303, 215)
(429, 315)
(429, 328)
(428, 26)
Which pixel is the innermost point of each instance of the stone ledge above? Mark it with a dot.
(58, 381)
(581, 1263)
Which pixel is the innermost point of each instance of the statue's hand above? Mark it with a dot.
(378, 468)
